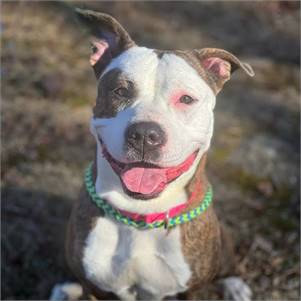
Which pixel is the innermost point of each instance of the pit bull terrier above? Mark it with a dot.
(144, 226)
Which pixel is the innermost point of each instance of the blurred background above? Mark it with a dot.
(48, 90)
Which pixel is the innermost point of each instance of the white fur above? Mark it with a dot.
(148, 264)
(108, 187)
(66, 291)
(156, 79)
(131, 262)
(236, 289)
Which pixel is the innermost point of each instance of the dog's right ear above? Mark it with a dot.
(110, 38)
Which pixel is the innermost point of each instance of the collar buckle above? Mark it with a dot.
(166, 220)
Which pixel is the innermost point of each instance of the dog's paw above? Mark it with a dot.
(236, 289)
(66, 291)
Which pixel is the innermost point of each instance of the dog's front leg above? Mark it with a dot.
(234, 288)
(127, 294)
(66, 291)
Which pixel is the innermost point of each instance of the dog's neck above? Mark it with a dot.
(191, 187)
(195, 189)
(198, 184)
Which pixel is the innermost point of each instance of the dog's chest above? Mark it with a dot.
(133, 262)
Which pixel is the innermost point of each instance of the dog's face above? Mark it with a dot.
(153, 116)
(154, 110)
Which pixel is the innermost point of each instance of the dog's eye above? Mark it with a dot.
(93, 48)
(122, 92)
(187, 99)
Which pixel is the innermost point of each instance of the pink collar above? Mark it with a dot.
(159, 216)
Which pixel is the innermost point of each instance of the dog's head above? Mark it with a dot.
(153, 117)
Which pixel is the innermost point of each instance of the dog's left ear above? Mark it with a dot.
(219, 64)
(110, 38)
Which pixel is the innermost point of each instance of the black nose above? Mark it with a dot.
(145, 136)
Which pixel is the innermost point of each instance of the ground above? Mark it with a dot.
(48, 90)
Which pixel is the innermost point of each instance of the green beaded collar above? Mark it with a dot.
(168, 223)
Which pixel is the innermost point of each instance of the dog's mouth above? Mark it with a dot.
(143, 180)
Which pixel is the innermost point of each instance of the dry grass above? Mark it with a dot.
(48, 89)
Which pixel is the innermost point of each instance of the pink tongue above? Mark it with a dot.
(144, 180)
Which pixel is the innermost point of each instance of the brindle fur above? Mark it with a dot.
(108, 103)
(82, 220)
(103, 26)
(206, 246)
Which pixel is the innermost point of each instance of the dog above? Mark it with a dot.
(144, 226)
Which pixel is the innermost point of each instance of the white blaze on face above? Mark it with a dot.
(158, 82)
